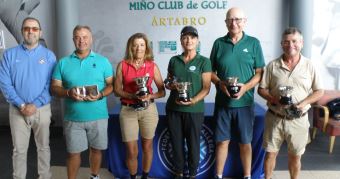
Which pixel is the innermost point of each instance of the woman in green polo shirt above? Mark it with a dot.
(185, 116)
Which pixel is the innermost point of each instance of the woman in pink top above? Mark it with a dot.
(138, 110)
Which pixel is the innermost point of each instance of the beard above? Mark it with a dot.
(31, 41)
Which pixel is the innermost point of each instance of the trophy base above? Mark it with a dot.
(233, 95)
(184, 99)
(142, 93)
(233, 90)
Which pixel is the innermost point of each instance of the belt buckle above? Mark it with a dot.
(139, 107)
(136, 106)
(285, 117)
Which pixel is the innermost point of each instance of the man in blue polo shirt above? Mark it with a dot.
(25, 73)
(235, 55)
(86, 114)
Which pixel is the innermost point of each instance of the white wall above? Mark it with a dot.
(326, 36)
(45, 12)
(113, 23)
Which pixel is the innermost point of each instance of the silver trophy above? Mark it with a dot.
(286, 100)
(170, 80)
(183, 91)
(286, 95)
(141, 83)
(81, 91)
(84, 91)
(233, 86)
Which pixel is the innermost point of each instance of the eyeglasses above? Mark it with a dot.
(231, 20)
(34, 29)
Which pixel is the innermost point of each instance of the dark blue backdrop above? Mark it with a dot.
(162, 165)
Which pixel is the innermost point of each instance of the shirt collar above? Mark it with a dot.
(197, 55)
(74, 55)
(27, 49)
(302, 59)
(228, 39)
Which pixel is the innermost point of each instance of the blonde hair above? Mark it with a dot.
(148, 49)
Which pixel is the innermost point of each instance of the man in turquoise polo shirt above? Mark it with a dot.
(235, 55)
(86, 113)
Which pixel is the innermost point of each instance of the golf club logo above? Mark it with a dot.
(207, 148)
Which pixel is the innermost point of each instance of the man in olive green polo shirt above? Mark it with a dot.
(235, 55)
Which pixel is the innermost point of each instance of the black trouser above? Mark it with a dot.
(185, 125)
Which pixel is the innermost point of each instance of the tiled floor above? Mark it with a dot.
(309, 174)
(60, 173)
(316, 162)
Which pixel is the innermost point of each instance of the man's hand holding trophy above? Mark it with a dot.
(286, 101)
(231, 87)
(84, 93)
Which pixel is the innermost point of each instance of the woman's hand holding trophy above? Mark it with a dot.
(182, 88)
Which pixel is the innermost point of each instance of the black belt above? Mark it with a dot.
(134, 105)
(284, 116)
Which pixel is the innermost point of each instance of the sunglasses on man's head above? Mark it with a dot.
(34, 29)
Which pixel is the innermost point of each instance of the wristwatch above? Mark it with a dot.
(22, 106)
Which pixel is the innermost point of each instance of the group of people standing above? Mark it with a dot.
(30, 72)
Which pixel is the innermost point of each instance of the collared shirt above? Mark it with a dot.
(129, 73)
(304, 79)
(25, 75)
(236, 60)
(76, 72)
(188, 72)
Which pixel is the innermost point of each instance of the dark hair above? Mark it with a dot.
(148, 50)
(79, 27)
(30, 18)
(291, 30)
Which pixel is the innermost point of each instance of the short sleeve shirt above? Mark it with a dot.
(304, 79)
(188, 72)
(129, 73)
(236, 60)
(74, 72)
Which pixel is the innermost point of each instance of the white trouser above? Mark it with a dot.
(21, 131)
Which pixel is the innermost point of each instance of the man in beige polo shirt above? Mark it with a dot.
(288, 121)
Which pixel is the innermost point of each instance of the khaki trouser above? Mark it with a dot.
(21, 131)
